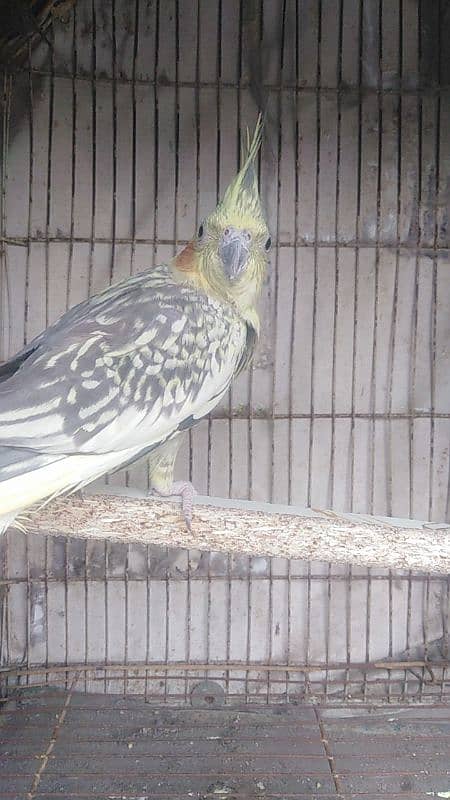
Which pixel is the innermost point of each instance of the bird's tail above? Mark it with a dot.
(5, 522)
(29, 479)
(21, 484)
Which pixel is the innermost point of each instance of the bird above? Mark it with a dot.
(127, 372)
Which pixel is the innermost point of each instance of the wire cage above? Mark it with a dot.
(121, 125)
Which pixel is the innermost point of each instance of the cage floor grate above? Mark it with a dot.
(65, 744)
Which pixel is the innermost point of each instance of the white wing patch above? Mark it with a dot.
(27, 430)
(30, 411)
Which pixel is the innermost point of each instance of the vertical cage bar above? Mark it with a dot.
(316, 237)
(93, 145)
(368, 630)
(408, 630)
(348, 627)
(434, 301)
(352, 474)
(395, 300)
(331, 491)
(5, 288)
(373, 381)
(276, 259)
(5, 303)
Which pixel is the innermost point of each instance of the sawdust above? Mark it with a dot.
(323, 536)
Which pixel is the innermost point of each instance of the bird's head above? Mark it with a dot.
(228, 257)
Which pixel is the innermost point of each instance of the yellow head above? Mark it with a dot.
(229, 255)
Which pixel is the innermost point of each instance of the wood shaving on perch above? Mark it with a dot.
(252, 529)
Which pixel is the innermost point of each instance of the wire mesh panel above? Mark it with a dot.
(124, 133)
(119, 134)
(159, 622)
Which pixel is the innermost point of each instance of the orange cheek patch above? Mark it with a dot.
(186, 261)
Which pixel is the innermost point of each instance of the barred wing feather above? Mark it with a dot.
(118, 374)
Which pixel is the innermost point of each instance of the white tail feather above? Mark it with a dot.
(5, 522)
(48, 481)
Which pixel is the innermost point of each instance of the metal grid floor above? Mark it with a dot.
(64, 744)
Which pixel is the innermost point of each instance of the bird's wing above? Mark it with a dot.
(129, 368)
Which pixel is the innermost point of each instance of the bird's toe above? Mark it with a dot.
(186, 492)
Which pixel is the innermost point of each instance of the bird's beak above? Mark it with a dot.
(234, 251)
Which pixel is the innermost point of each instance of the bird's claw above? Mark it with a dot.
(186, 491)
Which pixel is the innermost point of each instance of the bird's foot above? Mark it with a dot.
(186, 492)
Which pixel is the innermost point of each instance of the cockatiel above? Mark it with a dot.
(124, 373)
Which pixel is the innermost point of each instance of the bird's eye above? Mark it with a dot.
(268, 244)
(200, 231)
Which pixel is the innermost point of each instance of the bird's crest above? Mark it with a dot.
(240, 204)
(242, 195)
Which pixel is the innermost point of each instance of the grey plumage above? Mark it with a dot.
(119, 374)
(128, 371)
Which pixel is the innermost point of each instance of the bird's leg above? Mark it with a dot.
(184, 490)
(161, 465)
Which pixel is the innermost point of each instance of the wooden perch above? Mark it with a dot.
(254, 529)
